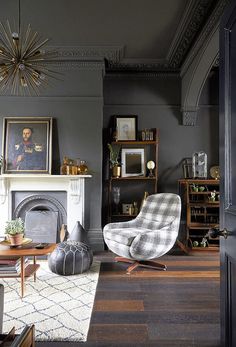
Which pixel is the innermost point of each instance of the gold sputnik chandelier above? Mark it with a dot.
(22, 60)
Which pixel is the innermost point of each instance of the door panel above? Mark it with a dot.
(228, 175)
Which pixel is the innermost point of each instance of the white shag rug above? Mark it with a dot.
(59, 306)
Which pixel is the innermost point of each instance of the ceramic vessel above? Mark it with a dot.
(16, 240)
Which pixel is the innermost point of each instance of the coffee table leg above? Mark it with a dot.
(35, 271)
(22, 275)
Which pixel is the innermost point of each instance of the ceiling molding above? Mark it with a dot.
(142, 75)
(72, 64)
(210, 26)
(189, 38)
(191, 33)
(75, 53)
(188, 29)
(140, 66)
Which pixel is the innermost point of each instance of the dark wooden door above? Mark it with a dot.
(228, 175)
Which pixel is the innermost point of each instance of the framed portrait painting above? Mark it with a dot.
(126, 127)
(27, 145)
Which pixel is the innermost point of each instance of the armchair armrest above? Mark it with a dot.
(153, 243)
(120, 225)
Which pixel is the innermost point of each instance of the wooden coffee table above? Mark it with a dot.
(23, 251)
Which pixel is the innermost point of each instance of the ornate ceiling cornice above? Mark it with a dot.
(140, 66)
(188, 29)
(142, 75)
(80, 53)
(198, 21)
(211, 24)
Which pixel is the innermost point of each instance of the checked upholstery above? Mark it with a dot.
(151, 234)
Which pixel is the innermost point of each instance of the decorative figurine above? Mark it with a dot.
(151, 166)
(200, 165)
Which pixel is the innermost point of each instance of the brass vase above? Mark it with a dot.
(116, 170)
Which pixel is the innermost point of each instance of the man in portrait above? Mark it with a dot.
(29, 155)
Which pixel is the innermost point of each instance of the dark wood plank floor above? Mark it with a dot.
(179, 307)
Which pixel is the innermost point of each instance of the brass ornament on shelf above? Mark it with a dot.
(215, 172)
(151, 166)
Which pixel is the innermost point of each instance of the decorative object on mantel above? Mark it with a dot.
(22, 60)
(69, 167)
(15, 230)
(83, 168)
(78, 234)
(73, 167)
(199, 164)
(27, 145)
(69, 308)
(70, 258)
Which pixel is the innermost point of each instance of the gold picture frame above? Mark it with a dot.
(27, 145)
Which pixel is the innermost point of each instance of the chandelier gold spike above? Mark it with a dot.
(23, 60)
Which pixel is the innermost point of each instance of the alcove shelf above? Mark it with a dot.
(200, 210)
(132, 188)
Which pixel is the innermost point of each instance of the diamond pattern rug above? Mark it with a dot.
(59, 306)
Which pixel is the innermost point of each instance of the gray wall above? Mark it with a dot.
(156, 101)
(76, 105)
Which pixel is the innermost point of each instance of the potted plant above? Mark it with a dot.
(114, 160)
(194, 187)
(15, 231)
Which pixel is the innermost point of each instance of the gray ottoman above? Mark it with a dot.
(70, 258)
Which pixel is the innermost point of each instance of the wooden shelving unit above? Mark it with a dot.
(201, 210)
(136, 185)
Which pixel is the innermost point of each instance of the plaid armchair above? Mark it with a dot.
(150, 235)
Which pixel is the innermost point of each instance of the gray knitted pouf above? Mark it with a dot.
(70, 258)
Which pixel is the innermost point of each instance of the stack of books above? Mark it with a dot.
(10, 266)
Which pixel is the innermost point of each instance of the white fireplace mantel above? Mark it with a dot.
(73, 185)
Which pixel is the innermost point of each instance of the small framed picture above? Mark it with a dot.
(133, 162)
(126, 127)
(27, 145)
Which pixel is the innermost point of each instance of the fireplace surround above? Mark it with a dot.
(19, 193)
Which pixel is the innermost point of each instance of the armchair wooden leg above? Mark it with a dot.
(124, 260)
(151, 264)
(132, 267)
